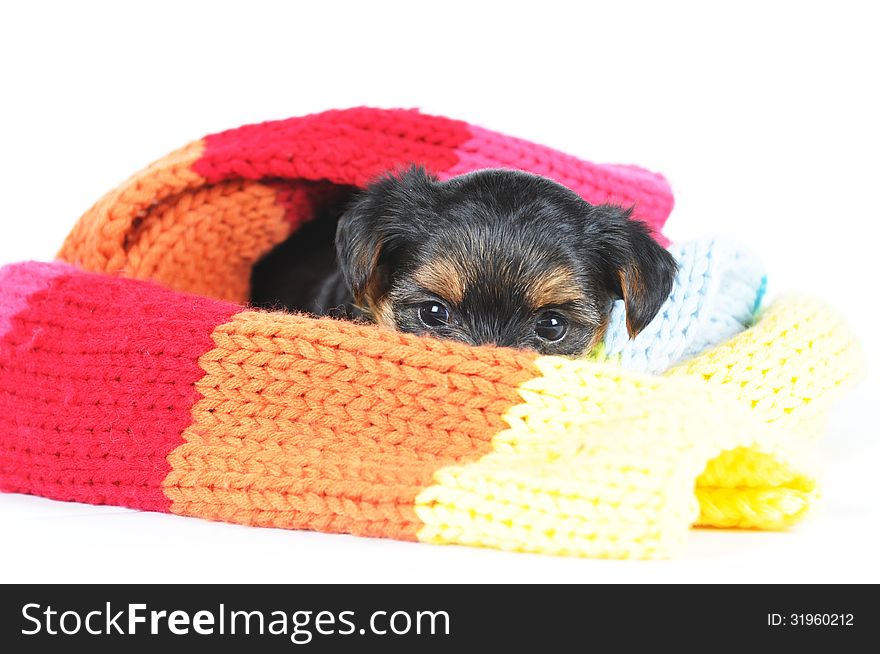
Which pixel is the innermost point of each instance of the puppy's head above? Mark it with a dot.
(499, 257)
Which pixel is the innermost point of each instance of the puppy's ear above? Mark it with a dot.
(374, 227)
(638, 269)
(358, 248)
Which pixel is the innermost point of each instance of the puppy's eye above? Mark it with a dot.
(551, 327)
(433, 314)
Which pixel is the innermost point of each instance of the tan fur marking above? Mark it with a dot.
(630, 286)
(367, 261)
(635, 281)
(556, 286)
(598, 335)
(381, 312)
(443, 278)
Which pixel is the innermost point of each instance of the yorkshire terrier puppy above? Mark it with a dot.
(491, 257)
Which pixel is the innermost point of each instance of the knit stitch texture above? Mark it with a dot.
(716, 294)
(198, 219)
(136, 377)
(204, 408)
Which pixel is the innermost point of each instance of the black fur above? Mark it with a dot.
(503, 232)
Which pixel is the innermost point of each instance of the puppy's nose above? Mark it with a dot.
(499, 339)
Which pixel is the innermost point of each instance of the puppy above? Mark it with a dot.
(491, 257)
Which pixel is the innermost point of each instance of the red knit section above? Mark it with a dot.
(97, 383)
(301, 199)
(350, 146)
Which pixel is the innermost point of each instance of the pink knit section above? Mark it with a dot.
(18, 283)
(630, 186)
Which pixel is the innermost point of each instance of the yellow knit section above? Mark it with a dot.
(602, 462)
(789, 368)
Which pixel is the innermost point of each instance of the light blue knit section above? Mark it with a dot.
(716, 294)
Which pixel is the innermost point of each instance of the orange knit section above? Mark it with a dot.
(332, 426)
(168, 225)
(206, 241)
(97, 242)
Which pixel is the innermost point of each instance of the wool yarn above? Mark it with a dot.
(200, 407)
(715, 295)
(198, 219)
(132, 373)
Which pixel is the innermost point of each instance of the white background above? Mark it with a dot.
(764, 117)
